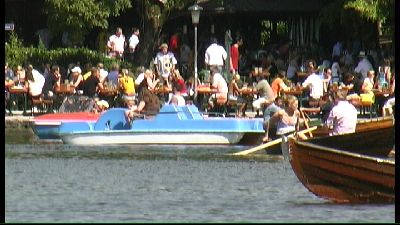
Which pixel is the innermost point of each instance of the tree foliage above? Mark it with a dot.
(372, 10)
(154, 14)
(77, 17)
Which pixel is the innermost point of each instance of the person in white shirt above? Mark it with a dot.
(177, 98)
(219, 83)
(35, 81)
(314, 82)
(343, 116)
(116, 44)
(103, 72)
(140, 71)
(133, 42)
(165, 62)
(363, 65)
(215, 55)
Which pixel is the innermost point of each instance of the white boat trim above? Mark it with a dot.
(54, 123)
(152, 138)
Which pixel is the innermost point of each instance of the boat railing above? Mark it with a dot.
(179, 112)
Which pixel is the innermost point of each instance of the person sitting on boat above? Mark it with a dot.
(325, 106)
(101, 106)
(287, 118)
(177, 98)
(343, 116)
(267, 102)
(149, 103)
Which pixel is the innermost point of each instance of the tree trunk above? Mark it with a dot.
(146, 51)
(150, 32)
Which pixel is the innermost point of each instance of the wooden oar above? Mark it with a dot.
(305, 122)
(273, 142)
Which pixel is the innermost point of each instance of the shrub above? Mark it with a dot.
(16, 54)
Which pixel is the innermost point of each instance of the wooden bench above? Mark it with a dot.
(42, 104)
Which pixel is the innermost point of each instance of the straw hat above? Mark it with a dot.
(163, 45)
(103, 103)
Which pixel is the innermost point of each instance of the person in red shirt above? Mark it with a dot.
(174, 44)
(235, 55)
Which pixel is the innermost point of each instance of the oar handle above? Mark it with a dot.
(270, 143)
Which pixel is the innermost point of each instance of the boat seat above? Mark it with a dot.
(113, 119)
(192, 112)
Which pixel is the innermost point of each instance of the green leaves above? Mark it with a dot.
(16, 54)
(79, 16)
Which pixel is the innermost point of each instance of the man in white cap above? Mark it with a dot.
(165, 61)
(363, 65)
(77, 79)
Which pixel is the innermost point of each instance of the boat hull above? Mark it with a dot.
(342, 176)
(172, 125)
(47, 126)
(178, 138)
(44, 131)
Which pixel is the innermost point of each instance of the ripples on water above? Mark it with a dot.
(47, 182)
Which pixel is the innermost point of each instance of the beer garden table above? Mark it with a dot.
(20, 90)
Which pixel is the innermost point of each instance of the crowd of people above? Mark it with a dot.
(332, 86)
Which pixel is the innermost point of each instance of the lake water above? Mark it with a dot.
(47, 182)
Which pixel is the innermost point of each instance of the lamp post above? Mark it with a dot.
(195, 11)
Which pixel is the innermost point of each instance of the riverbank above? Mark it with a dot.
(17, 121)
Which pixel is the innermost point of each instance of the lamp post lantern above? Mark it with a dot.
(195, 11)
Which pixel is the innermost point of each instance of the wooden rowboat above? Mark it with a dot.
(362, 125)
(341, 175)
(376, 141)
(375, 131)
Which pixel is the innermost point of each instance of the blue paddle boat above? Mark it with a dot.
(172, 125)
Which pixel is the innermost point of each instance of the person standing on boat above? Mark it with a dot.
(343, 116)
